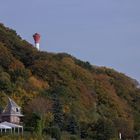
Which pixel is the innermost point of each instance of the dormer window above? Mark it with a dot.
(17, 110)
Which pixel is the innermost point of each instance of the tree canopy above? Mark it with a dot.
(72, 94)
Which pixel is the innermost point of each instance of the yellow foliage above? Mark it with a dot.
(49, 117)
(16, 64)
(68, 62)
(37, 84)
(20, 94)
(66, 109)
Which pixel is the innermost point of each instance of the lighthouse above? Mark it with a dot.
(36, 37)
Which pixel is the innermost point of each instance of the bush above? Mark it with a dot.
(73, 137)
(54, 132)
(105, 129)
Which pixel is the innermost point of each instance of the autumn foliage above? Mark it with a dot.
(60, 93)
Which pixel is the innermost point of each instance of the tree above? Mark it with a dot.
(5, 56)
(105, 129)
(38, 108)
(54, 132)
(72, 125)
(5, 82)
(125, 127)
(84, 130)
(58, 113)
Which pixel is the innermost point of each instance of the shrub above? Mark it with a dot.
(73, 137)
(54, 132)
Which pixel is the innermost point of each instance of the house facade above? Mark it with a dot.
(11, 113)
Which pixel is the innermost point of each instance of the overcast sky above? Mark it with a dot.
(103, 32)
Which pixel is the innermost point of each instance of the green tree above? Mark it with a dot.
(58, 113)
(54, 132)
(38, 109)
(105, 129)
(5, 83)
(72, 125)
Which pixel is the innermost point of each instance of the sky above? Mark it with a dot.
(103, 32)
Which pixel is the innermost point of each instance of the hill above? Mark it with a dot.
(61, 93)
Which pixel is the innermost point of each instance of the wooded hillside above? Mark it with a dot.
(61, 93)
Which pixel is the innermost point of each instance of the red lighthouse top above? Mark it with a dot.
(36, 37)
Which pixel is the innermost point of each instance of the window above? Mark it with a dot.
(17, 110)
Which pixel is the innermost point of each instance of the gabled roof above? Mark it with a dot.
(12, 103)
(12, 108)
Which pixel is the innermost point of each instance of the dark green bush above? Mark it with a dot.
(54, 132)
(74, 137)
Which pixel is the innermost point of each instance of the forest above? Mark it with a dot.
(65, 98)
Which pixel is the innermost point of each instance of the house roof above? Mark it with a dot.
(11, 125)
(2, 126)
(11, 109)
